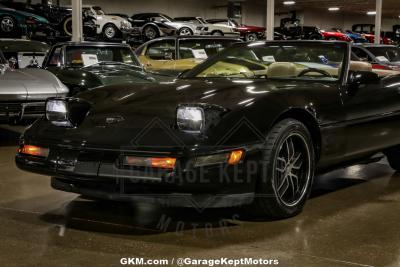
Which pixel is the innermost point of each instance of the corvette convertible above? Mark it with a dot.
(249, 127)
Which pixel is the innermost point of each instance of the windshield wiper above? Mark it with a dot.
(113, 63)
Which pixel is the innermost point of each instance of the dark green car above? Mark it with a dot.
(82, 66)
(15, 23)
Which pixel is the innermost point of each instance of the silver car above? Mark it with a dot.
(23, 92)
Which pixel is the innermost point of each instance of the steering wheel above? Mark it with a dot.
(305, 71)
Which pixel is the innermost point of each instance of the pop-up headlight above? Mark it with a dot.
(190, 119)
(66, 112)
(57, 112)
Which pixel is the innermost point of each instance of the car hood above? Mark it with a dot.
(179, 25)
(29, 84)
(113, 75)
(251, 28)
(27, 14)
(144, 115)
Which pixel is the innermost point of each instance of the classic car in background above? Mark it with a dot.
(386, 57)
(273, 105)
(248, 33)
(335, 35)
(209, 28)
(180, 53)
(154, 25)
(368, 32)
(110, 27)
(82, 66)
(292, 29)
(21, 53)
(15, 23)
(23, 93)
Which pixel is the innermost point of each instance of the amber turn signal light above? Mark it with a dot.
(235, 157)
(34, 151)
(163, 163)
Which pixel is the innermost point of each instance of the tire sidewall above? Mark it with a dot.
(110, 26)
(267, 181)
(251, 36)
(155, 31)
(185, 28)
(65, 24)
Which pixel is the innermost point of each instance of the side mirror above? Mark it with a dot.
(359, 79)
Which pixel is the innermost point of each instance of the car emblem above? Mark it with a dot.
(116, 119)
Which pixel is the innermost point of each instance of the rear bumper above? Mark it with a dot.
(18, 111)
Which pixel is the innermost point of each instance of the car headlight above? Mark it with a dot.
(57, 113)
(66, 112)
(190, 119)
(198, 118)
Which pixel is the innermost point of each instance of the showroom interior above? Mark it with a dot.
(199, 133)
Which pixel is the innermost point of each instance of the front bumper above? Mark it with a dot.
(18, 111)
(99, 174)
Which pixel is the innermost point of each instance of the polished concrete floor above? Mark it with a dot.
(352, 219)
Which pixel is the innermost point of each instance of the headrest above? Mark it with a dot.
(282, 69)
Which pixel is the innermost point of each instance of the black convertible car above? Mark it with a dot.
(247, 127)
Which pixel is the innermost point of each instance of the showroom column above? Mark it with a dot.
(378, 21)
(77, 28)
(270, 19)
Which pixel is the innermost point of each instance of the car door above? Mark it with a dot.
(372, 115)
(159, 55)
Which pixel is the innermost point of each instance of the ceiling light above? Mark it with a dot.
(333, 9)
(288, 3)
(371, 13)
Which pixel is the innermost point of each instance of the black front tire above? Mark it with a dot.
(185, 31)
(150, 32)
(251, 37)
(288, 153)
(393, 157)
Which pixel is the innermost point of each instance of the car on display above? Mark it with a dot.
(292, 29)
(154, 25)
(59, 17)
(110, 27)
(335, 35)
(210, 29)
(248, 33)
(249, 127)
(368, 32)
(21, 53)
(15, 23)
(176, 54)
(23, 92)
(85, 65)
(386, 57)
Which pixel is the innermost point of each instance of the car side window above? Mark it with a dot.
(56, 58)
(361, 54)
(161, 50)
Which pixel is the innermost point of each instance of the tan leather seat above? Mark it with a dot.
(281, 69)
(360, 66)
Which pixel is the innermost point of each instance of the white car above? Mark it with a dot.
(108, 25)
(206, 28)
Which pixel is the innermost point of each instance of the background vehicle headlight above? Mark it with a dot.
(57, 112)
(190, 119)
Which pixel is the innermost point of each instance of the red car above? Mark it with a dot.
(336, 36)
(248, 33)
(371, 39)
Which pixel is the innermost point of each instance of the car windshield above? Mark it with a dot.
(83, 56)
(289, 60)
(202, 48)
(386, 54)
